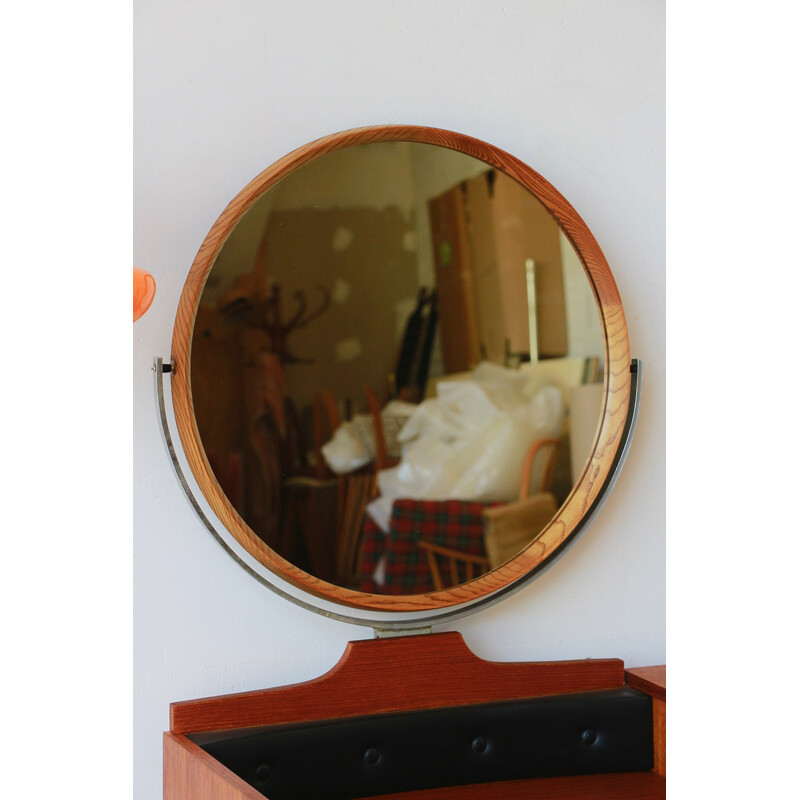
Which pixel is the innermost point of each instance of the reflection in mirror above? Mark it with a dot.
(397, 367)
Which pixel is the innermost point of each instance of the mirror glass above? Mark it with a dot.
(396, 345)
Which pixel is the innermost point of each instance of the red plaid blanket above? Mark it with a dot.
(455, 524)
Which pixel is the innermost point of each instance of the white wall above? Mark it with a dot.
(225, 87)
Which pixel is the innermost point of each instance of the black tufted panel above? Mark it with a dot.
(574, 734)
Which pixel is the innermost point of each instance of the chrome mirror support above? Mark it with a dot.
(422, 621)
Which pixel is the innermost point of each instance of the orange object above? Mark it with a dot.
(144, 290)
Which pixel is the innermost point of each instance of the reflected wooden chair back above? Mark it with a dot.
(550, 449)
(462, 567)
(510, 528)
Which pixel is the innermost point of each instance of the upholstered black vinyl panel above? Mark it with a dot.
(576, 734)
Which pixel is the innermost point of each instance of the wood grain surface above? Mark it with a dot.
(616, 356)
(660, 737)
(191, 774)
(386, 675)
(615, 786)
(652, 680)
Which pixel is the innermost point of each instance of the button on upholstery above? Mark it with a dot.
(479, 744)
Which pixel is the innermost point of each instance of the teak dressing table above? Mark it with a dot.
(447, 723)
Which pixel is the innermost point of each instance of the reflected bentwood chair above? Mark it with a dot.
(511, 527)
(507, 528)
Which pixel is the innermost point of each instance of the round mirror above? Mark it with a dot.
(401, 369)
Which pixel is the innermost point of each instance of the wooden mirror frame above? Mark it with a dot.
(616, 379)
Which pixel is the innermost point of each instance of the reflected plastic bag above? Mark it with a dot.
(353, 444)
(470, 441)
(344, 452)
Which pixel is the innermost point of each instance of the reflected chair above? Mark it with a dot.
(463, 567)
(340, 539)
(511, 527)
(507, 528)
(452, 526)
(383, 457)
(381, 451)
(312, 500)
